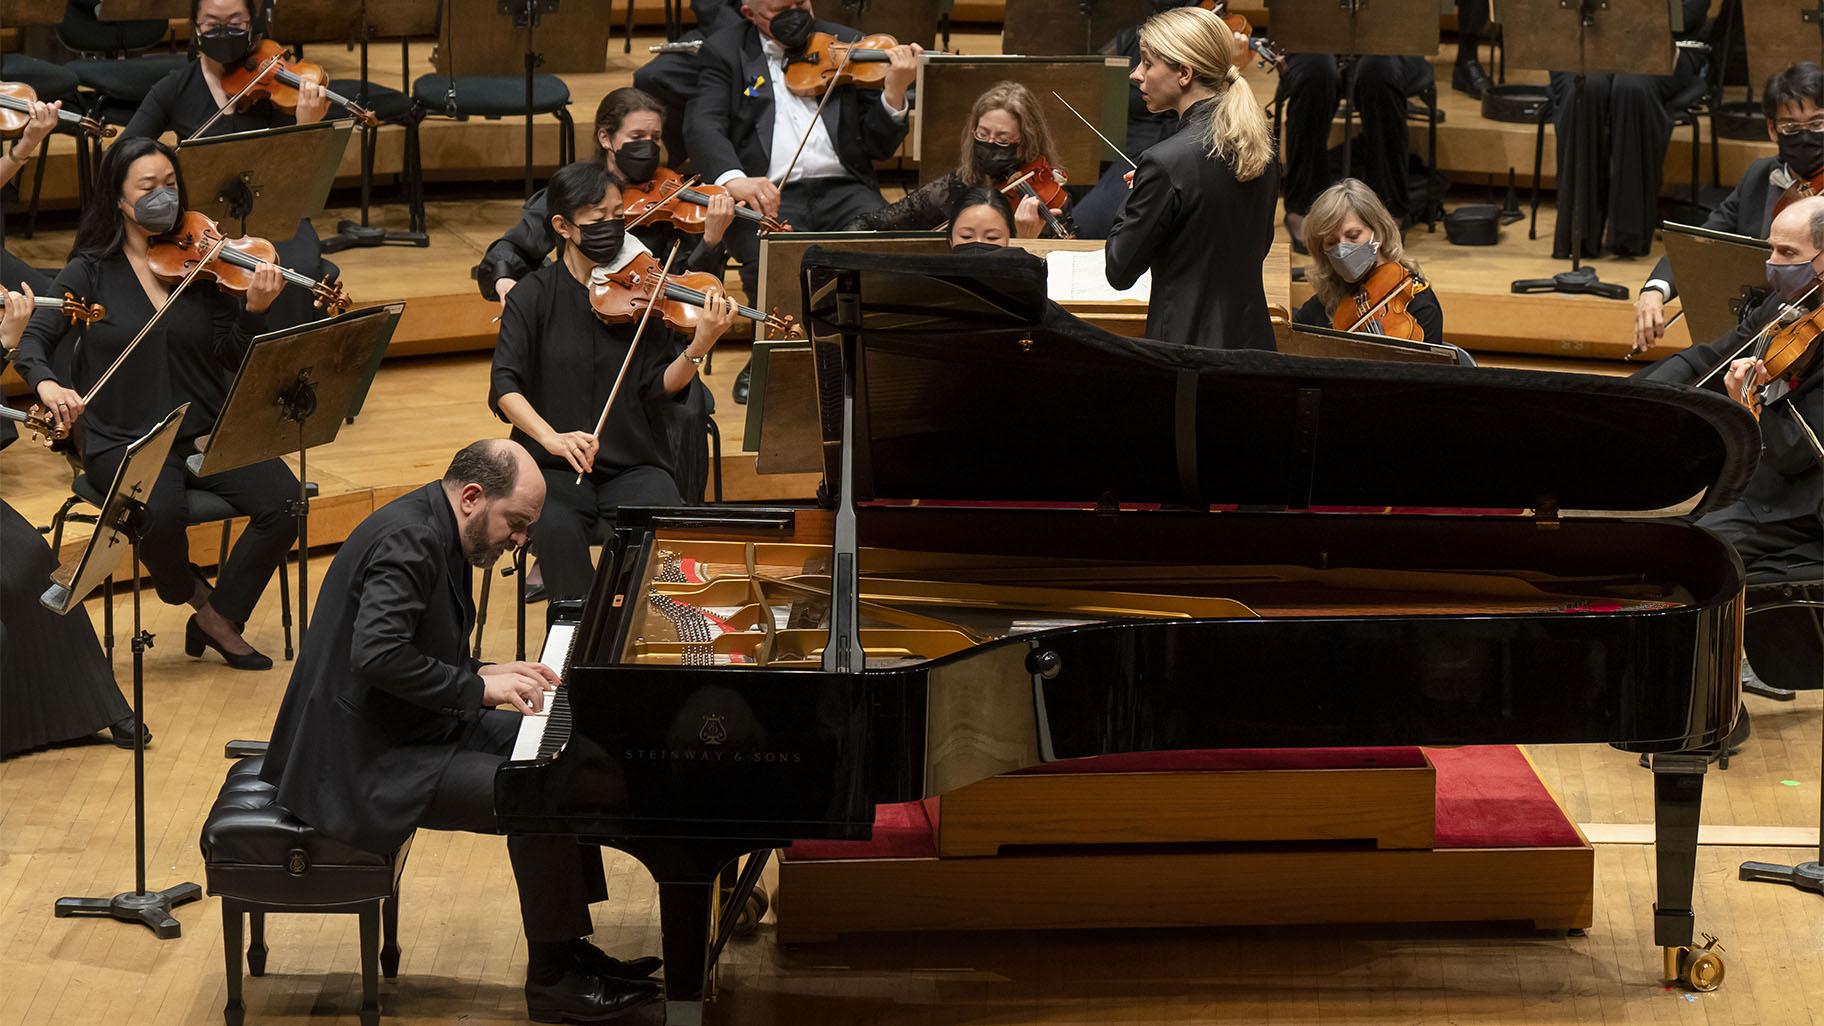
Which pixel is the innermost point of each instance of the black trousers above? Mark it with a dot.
(260, 492)
(557, 877)
(1626, 130)
(1472, 21)
(1770, 550)
(671, 78)
(1312, 86)
(574, 515)
(811, 205)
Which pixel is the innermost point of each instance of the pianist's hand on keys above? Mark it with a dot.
(521, 685)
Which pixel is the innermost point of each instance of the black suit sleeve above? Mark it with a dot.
(1785, 446)
(520, 251)
(881, 132)
(402, 578)
(48, 329)
(709, 117)
(1152, 207)
(1725, 218)
(714, 14)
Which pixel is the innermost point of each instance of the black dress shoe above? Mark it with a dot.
(743, 382)
(196, 639)
(1469, 77)
(585, 997)
(121, 732)
(591, 959)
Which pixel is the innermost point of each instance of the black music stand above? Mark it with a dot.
(1721, 276)
(1631, 37)
(526, 14)
(264, 182)
(367, 25)
(1353, 29)
(122, 521)
(292, 392)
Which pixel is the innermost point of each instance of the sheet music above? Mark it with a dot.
(1081, 276)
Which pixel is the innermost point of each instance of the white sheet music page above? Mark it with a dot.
(1081, 276)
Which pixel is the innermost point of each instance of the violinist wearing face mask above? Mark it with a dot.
(190, 356)
(628, 127)
(1351, 236)
(1793, 101)
(556, 361)
(1005, 132)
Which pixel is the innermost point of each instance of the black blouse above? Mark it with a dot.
(181, 101)
(189, 357)
(525, 245)
(1424, 308)
(554, 351)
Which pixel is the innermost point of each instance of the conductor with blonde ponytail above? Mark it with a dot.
(1200, 214)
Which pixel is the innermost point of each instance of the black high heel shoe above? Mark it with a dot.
(196, 639)
(120, 732)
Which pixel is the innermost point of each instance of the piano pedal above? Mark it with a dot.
(1700, 969)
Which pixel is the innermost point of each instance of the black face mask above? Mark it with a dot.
(792, 29)
(1803, 152)
(602, 240)
(976, 247)
(638, 160)
(225, 46)
(995, 159)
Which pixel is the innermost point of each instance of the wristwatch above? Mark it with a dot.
(696, 361)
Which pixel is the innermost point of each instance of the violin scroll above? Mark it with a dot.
(78, 311)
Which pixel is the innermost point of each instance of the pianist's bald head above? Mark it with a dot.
(496, 493)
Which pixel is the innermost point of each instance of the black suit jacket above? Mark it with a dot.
(1747, 210)
(1204, 235)
(726, 128)
(384, 687)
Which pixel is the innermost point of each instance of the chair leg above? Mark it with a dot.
(221, 552)
(389, 930)
(285, 603)
(63, 513)
(1532, 230)
(31, 213)
(256, 943)
(1433, 202)
(566, 137)
(107, 616)
(234, 1013)
(370, 964)
(481, 608)
(1697, 149)
(519, 578)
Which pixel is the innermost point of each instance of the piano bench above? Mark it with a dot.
(259, 858)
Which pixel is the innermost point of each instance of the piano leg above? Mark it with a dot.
(687, 874)
(1678, 794)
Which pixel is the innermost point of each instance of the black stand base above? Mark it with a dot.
(354, 234)
(151, 909)
(1806, 876)
(1580, 281)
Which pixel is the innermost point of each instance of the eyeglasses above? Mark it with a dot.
(1795, 127)
(997, 138)
(205, 25)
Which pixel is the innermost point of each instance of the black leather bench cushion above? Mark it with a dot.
(490, 96)
(50, 81)
(388, 104)
(127, 81)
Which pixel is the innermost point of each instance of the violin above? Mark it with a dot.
(827, 62)
(191, 247)
(1038, 180)
(618, 297)
(1790, 350)
(1797, 188)
(1268, 52)
(75, 309)
(270, 73)
(1379, 305)
(669, 198)
(16, 99)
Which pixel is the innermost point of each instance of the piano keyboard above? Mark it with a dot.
(542, 735)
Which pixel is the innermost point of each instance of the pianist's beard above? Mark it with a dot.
(477, 548)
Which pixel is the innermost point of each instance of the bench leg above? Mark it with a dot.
(256, 944)
(389, 947)
(234, 1012)
(370, 964)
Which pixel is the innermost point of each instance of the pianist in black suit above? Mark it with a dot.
(388, 725)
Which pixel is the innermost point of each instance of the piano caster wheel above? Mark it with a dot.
(748, 922)
(1700, 969)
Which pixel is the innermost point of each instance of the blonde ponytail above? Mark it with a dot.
(1197, 39)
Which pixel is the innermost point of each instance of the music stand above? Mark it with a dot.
(142, 10)
(268, 180)
(1048, 28)
(1629, 37)
(909, 21)
(121, 522)
(1328, 343)
(1720, 276)
(1353, 29)
(1779, 33)
(292, 392)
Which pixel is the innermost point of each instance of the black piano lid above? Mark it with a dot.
(972, 387)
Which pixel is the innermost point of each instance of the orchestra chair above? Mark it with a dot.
(496, 97)
(114, 71)
(603, 528)
(1783, 633)
(52, 82)
(392, 107)
(259, 858)
(201, 507)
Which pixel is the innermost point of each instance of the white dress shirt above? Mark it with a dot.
(792, 115)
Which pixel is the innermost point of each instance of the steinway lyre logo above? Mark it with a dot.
(714, 732)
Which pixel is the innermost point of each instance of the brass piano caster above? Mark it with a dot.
(748, 922)
(1700, 969)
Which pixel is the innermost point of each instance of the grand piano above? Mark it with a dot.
(1039, 541)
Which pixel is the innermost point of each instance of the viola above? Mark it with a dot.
(16, 99)
(1798, 188)
(1039, 180)
(669, 198)
(827, 61)
(1379, 305)
(1266, 50)
(75, 309)
(618, 297)
(191, 246)
(270, 73)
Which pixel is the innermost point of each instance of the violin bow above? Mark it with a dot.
(1005, 189)
(1405, 283)
(828, 90)
(658, 293)
(1087, 124)
(189, 277)
(236, 98)
(1759, 336)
